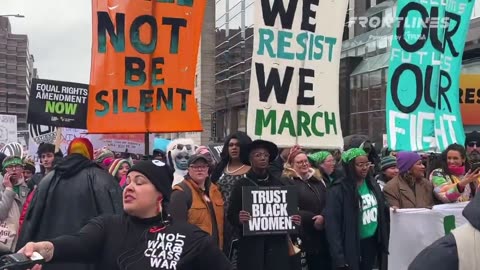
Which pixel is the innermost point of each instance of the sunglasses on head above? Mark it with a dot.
(472, 144)
(181, 146)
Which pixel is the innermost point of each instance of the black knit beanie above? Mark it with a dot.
(158, 173)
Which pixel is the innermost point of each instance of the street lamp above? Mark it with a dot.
(13, 15)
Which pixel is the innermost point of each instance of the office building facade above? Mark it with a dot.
(16, 72)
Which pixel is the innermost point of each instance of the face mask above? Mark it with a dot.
(456, 170)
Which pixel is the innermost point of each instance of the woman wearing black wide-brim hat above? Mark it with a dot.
(264, 252)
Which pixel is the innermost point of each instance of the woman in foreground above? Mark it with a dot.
(141, 238)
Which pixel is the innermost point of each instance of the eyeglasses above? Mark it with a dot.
(364, 165)
(199, 168)
(303, 162)
(472, 144)
(14, 167)
(181, 146)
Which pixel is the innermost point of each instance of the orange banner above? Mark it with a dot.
(144, 57)
(470, 98)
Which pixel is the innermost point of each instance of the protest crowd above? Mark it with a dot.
(74, 214)
(288, 190)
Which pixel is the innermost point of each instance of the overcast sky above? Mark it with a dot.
(59, 33)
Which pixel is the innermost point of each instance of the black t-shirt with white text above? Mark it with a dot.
(124, 242)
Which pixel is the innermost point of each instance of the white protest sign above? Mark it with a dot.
(133, 143)
(294, 96)
(8, 129)
(412, 230)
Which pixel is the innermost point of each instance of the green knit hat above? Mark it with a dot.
(352, 153)
(12, 160)
(319, 157)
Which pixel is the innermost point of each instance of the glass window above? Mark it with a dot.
(371, 48)
(362, 100)
(242, 119)
(365, 80)
(353, 101)
(361, 50)
(383, 93)
(375, 98)
(376, 77)
(358, 81)
(382, 45)
(351, 52)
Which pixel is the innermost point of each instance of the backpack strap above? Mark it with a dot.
(182, 186)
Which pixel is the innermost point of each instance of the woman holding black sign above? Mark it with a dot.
(356, 216)
(312, 192)
(259, 252)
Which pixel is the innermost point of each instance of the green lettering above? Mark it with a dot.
(302, 41)
(125, 107)
(70, 108)
(266, 40)
(314, 124)
(115, 101)
(287, 122)
(331, 42)
(168, 101)
(330, 122)
(50, 107)
(146, 100)
(319, 44)
(157, 70)
(106, 25)
(137, 43)
(303, 122)
(99, 99)
(262, 122)
(283, 43)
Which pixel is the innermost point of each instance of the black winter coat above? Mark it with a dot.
(443, 254)
(267, 252)
(342, 222)
(312, 196)
(76, 191)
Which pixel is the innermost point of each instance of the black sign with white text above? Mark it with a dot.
(59, 104)
(271, 209)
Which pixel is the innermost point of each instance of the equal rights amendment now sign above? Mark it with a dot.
(271, 209)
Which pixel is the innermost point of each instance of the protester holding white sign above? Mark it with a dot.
(259, 252)
(357, 234)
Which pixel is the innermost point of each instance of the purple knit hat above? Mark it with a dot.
(406, 160)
